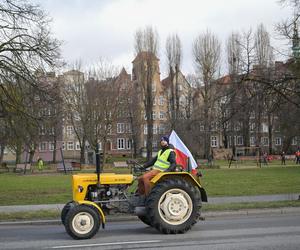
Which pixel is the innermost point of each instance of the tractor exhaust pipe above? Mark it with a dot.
(98, 167)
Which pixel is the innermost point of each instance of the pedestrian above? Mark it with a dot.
(282, 155)
(210, 159)
(297, 155)
(165, 161)
(265, 158)
(40, 164)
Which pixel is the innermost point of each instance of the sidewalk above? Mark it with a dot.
(211, 200)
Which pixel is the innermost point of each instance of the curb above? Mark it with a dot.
(120, 218)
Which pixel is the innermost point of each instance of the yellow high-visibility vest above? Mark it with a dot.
(162, 163)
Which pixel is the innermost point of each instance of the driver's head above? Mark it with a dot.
(164, 141)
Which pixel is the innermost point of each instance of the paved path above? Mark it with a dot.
(212, 200)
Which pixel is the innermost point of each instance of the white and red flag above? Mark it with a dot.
(182, 152)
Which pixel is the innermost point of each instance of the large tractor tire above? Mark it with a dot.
(174, 205)
(145, 219)
(82, 222)
(65, 211)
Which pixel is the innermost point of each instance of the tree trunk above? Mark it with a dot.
(2, 147)
(18, 154)
(54, 151)
(31, 155)
(270, 132)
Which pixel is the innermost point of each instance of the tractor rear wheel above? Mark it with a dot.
(82, 222)
(145, 219)
(174, 205)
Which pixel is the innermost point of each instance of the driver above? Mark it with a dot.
(165, 161)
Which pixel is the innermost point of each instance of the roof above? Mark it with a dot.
(144, 55)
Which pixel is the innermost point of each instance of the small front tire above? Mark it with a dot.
(65, 211)
(82, 222)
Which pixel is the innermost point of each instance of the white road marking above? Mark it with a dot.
(108, 244)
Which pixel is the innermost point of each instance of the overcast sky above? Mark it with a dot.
(91, 29)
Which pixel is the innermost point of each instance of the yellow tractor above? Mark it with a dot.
(173, 205)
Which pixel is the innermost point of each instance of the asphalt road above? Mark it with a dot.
(265, 231)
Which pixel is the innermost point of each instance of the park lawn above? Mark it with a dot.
(34, 189)
(56, 188)
(254, 181)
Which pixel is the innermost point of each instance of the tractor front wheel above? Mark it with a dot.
(65, 211)
(82, 222)
(174, 206)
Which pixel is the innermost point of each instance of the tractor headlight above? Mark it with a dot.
(80, 189)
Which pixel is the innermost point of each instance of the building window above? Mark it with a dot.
(237, 126)
(128, 143)
(252, 141)
(252, 126)
(161, 129)
(43, 146)
(201, 128)
(182, 101)
(161, 115)
(214, 142)
(265, 128)
(51, 131)
(69, 130)
(145, 129)
(120, 128)
(51, 146)
(154, 144)
(154, 101)
(161, 100)
(155, 129)
(128, 128)
(180, 87)
(265, 141)
(153, 87)
(42, 130)
(77, 145)
(70, 145)
(153, 115)
(63, 147)
(239, 140)
(121, 143)
(294, 141)
(213, 126)
(278, 141)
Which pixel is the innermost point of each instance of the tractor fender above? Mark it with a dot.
(189, 177)
(93, 204)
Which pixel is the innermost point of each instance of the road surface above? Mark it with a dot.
(236, 232)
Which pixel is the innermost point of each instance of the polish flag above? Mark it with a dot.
(182, 153)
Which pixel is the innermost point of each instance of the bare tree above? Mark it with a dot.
(206, 52)
(26, 45)
(174, 55)
(146, 47)
(103, 101)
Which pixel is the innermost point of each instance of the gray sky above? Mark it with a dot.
(93, 29)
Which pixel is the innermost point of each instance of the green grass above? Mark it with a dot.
(34, 189)
(19, 189)
(36, 215)
(257, 181)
